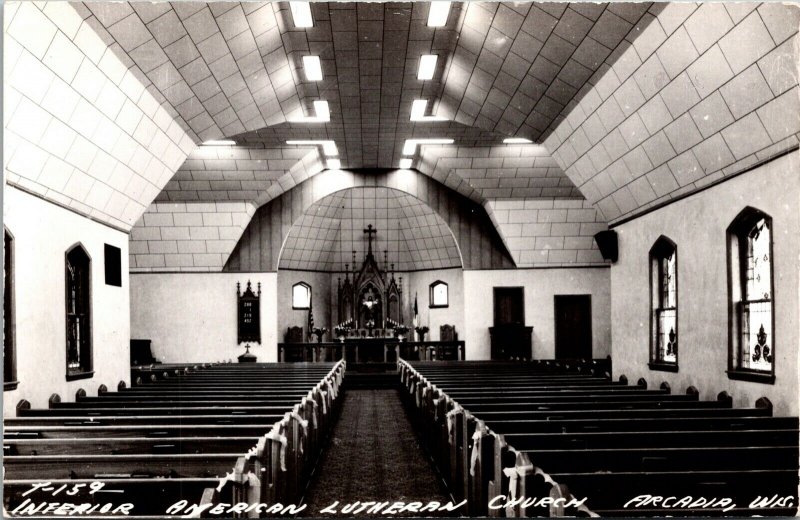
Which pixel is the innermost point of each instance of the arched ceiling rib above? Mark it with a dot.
(330, 232)
(259, 248)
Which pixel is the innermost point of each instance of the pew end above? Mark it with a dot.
(764, 403)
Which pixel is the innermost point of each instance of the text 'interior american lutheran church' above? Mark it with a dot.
(411, 259)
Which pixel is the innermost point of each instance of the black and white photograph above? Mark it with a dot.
(400, 259)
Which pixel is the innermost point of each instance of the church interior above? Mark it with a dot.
(521, 258)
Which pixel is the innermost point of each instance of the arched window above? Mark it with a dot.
(664, 305)
(439, 296)
(301, 296)
(752, 341)
(79, 313)
(9, 345)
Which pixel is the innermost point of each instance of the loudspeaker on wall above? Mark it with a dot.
(607, 242)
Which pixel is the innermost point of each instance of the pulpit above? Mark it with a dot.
(511, 341)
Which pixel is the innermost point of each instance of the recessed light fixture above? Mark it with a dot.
(313, 68)
(418, 111)
(334, 164)
(220, 142)
(322, 111)
(301, 14)
(328, 147)
(405, 163)
(427, 66)
(410, 146)
(516, 140)
(437, 15)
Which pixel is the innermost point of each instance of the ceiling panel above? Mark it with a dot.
(410, 236)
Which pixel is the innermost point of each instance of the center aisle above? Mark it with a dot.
(374, 455)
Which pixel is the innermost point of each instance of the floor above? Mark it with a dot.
(374, 455)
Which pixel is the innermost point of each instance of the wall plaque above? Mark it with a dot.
(249, 319)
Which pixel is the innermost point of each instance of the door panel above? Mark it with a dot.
(573, 315)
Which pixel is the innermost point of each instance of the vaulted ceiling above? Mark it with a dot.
(235, 70)
(627, 105)
(331, 233)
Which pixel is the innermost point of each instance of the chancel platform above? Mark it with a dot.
(371, 350)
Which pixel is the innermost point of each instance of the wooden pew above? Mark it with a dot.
(596, 434)
(177, 440)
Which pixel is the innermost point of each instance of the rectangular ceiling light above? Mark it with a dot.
(418, 111)
(328, 147)
(410, 146)
(313, 68)
(427, 66)
(406, 163)
(334, 164)
(516, 140)
(322, 114)
(301, 14)
(223, 142)
(437, 16)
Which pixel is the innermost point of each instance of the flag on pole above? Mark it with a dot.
(310, 319)
(416, 312)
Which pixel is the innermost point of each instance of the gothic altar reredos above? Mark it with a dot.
(370, 297)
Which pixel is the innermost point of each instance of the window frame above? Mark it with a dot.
(662, 248)
(308, 288)
(431, 303)
(737, 243)
(112, 265)
(86, 368)
(11, 333)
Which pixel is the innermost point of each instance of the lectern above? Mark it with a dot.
(511, 341)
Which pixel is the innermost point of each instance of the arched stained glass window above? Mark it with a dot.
(79, 313)
(664, 283)
(752, 354)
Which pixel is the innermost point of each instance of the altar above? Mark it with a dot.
(370, 321)
(370, 350)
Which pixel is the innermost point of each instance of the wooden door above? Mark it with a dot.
(573, 326)
(509, 306)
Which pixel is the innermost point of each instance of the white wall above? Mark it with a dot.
(698, 226)
(191, 317)
(42, 234)
(419, 282)
(321, 297)
(540, 287)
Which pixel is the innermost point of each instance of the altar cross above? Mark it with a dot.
(370, 231)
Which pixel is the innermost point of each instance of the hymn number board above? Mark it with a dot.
(249, 322)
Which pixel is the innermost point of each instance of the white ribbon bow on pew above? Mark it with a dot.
(513, 474)
(276, 436)
(331, 388)
(324, 395)
(450, 415)
(314, 406)
(303, 425)
(252, 452)
(229, 477)
(476, 449)
(436, 401)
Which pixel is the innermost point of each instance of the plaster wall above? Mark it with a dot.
(541, 285)
(697, 225)
(191, 317)
(43, 232)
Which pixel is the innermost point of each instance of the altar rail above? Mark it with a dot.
(386, 350)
